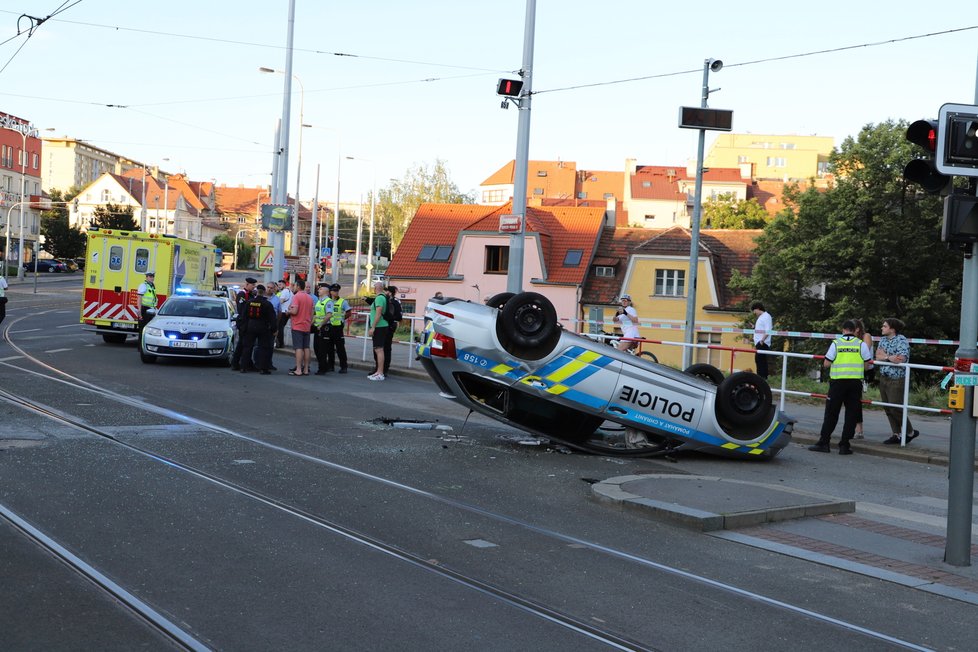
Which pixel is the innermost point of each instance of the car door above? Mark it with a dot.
(659, 401)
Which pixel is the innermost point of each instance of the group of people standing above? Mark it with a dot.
(850, 359)
(263, 313)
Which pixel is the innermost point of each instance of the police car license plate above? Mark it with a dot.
(184, 345)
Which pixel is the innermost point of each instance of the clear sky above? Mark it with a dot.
(421, 82)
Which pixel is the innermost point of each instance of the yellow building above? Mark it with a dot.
(652, 265)
(785, 158)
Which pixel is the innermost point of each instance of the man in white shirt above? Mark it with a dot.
(3, 297)
(762, 337)
(285, 302)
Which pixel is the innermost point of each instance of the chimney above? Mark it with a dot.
(609, 211)
(626, 197)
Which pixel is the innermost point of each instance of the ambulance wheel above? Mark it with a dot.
(114, 338)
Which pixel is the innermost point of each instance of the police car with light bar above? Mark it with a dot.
(191, 324)
(511, 360)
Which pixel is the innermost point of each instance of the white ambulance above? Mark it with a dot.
(116, 263)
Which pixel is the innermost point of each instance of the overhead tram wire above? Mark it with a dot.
(270, 46)
(759, 61)
(35, 23)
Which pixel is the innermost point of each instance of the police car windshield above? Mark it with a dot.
(194, 308)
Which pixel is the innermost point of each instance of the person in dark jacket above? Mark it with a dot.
(259, 327)
(241, 299)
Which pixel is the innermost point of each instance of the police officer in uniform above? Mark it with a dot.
(846, 359)
(259, 326)
(320, 317)
(241, 300)
(147, 299)
(336, 344)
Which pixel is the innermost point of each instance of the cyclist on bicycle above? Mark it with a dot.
(627, 320)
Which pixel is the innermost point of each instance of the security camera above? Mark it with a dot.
(716, 65)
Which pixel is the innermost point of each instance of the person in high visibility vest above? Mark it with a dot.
(320, 318)
(147, 299)
(336, 345)
(846, 360)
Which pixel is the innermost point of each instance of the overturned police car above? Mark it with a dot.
(511, 360)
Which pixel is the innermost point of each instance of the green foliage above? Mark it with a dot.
(872, 242)
(112, 216)
(245, 250)
(725, 212)
(398, 202)
(60, 239)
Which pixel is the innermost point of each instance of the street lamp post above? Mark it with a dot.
(298, 166)
(373, 205)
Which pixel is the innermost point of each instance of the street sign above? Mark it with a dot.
(966, 380)
(296, 264)
(276, 217)
(266, 257)
(510, 223)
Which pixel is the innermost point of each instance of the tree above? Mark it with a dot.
(397, 203)
(868, 247)
(60, 239)
(116, 217)
(725, 212)
(245, 250)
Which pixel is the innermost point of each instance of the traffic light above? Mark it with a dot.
(509, 87)
(923, 171)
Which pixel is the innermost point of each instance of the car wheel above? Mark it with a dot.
(114, 338)
(527, 326)
(499, 300)
(705, 371)
(648, 355)
(743, 403)
(147, 358)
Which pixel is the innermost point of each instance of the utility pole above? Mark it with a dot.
(281, 182)
(514, 279)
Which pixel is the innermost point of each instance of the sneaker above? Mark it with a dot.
(377, 377)
(858, 435)
(845, 450)
(913, 435)
(819, 448)
(894, 439)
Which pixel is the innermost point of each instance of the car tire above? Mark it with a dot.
(499, 300)
(743, 403)
(114, 338)
(147, 358)
(648, 355)
(707, 372)
(527, 327)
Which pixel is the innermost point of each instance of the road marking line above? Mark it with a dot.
(67, 326)
(29, 330)
(57, 350)
(13, 357)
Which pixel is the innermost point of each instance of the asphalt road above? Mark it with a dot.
(272, 512)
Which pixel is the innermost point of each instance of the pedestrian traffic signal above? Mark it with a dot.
(509, 87)
(957, 147)
(923, 170)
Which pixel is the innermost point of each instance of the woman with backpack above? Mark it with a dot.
(393, 317)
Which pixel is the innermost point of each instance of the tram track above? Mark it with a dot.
(522, 603)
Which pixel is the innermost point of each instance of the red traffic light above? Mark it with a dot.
(923, 133)
(509, 87)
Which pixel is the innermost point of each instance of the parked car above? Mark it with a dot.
(190, 326)
(70, 265)
(511, 360)
(80, 262)
(46, 265)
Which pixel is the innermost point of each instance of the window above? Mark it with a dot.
(582, 195)
(492, 196)
(538, 191)
(646, 184)
(106, 196)
(743, 158)
(787, 145)
(604, 271)
(442, 253)
(497, 259)
(541, 173)
(670, 282)
(427, 252)
(708, 356)
(573, 257)
(649, 218)
(34, 161)
(776, 161)
(115, 258)
(609, 195)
